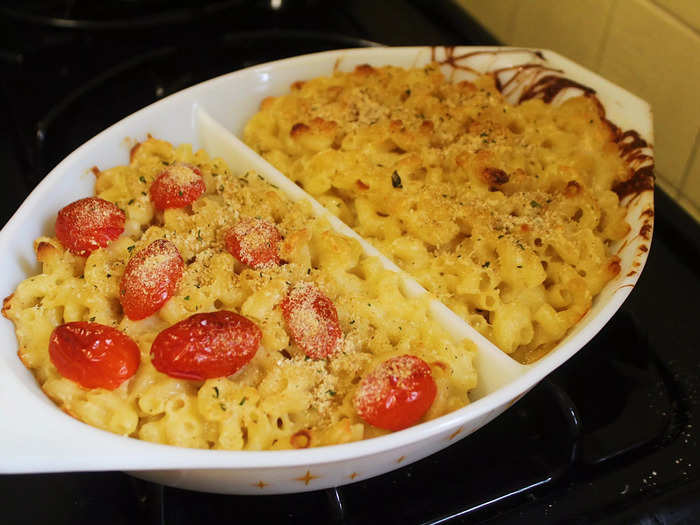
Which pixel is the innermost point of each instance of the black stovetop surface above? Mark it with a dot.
(610, 437)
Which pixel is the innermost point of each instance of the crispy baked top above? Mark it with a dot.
(504, 212)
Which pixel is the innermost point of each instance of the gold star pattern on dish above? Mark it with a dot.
(260, 484)
(306, 478)
(401, 459)
(353, 475)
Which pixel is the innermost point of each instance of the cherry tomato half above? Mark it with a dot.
(150, 279)
(93, 355)
(88, 224)
(205, 346)
(312, 321)
(254, 242)
(177, 186)
(397, 393)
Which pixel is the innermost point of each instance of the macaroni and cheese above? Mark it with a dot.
(504, 212)
(281, 398)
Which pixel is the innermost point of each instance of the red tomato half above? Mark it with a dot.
(254, 242)
(205, 346)
(397, 393)
(93, 355)
(177, 186)
(312, 321)
(88, 224)
(150, 279)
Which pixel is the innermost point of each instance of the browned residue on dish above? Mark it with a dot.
(546, 83)
(549, 86)
(640, 181)
(453, 60)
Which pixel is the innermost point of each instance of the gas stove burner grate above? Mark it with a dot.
(117, 14)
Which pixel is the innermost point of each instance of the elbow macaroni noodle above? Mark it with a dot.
(504, 212)
(280, 399)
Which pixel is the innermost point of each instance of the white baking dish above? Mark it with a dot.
(35, 436)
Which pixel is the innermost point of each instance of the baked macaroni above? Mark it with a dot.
(504, 212)
(281, 399)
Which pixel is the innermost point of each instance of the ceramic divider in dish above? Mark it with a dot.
(35, 436)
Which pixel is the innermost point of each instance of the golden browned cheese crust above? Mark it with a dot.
(280, 399)
(504, 212)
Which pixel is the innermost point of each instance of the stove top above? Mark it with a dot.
(610, 437)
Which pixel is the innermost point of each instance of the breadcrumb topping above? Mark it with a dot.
(179, 175)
